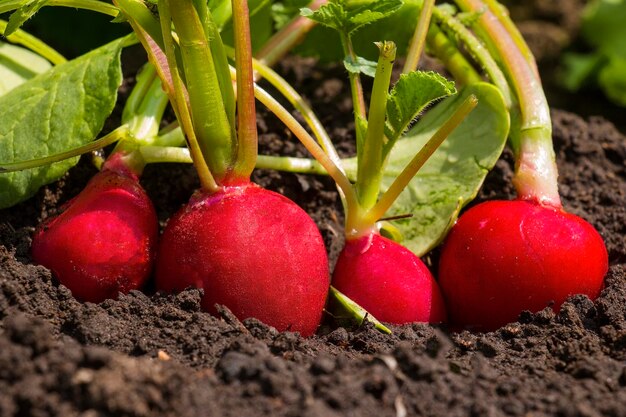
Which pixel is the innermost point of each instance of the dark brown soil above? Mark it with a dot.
(149, 355)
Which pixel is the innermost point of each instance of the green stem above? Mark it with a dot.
(536, 172)
(211, 124)
(174, 154)
(93, 5)
(448, 53)
(34, 44)
(311, 145)
(159, 154)
(291, 164)
(144, 125)
(370, 164)
(500, 11)
(179, 102)
(247, 136)
(419, 37)
(300, 105)
(143, 79)
(358, 101)
(287, 37)
(171, 135)
(143, 17)
(478, 51)
(116, 135)
(407, 174)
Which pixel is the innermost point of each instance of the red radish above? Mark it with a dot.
(252, 250)
(389, 281)
(503, 257)
(104, 241)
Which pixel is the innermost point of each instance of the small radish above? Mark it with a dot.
(504, 257)
(388, 281)
(250, 249)
(104, 241)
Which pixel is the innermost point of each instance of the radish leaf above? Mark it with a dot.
(339, 16)
(18, 65)
(58, 110)
(21, 15)
(360, 65)
(397, 27)
(409, 96)
(453, 175)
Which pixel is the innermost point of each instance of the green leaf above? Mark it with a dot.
(397, 27)
(408, 98)
(347, 312)
(612, 80)
(453, 175)
(604, 26)
(580, 69)
(18, 65)
(361, 65)
(284, 11)
(21, 15)
(58, 110)
(338, 15)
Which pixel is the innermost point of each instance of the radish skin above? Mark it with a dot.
(388, 281)
(252, 250)
(104, 241)
(504, 257)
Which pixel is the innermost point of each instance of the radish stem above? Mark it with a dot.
(211, 123)
(287, 37)
(370, 166)
(416, 46)
(115, 136)
(179, 102)
(247, 138)
(536, 172)
(448, 53)
(478, 51)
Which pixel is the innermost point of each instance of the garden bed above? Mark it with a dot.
(148, 354)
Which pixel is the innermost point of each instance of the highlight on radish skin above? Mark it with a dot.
(503, 257)
(104, 241)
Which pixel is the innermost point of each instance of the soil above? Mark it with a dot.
(147, 354)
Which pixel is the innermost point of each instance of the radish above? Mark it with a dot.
(250, 249)
(504, 257)
(388, 281)
(378, 274)
(104, 241)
